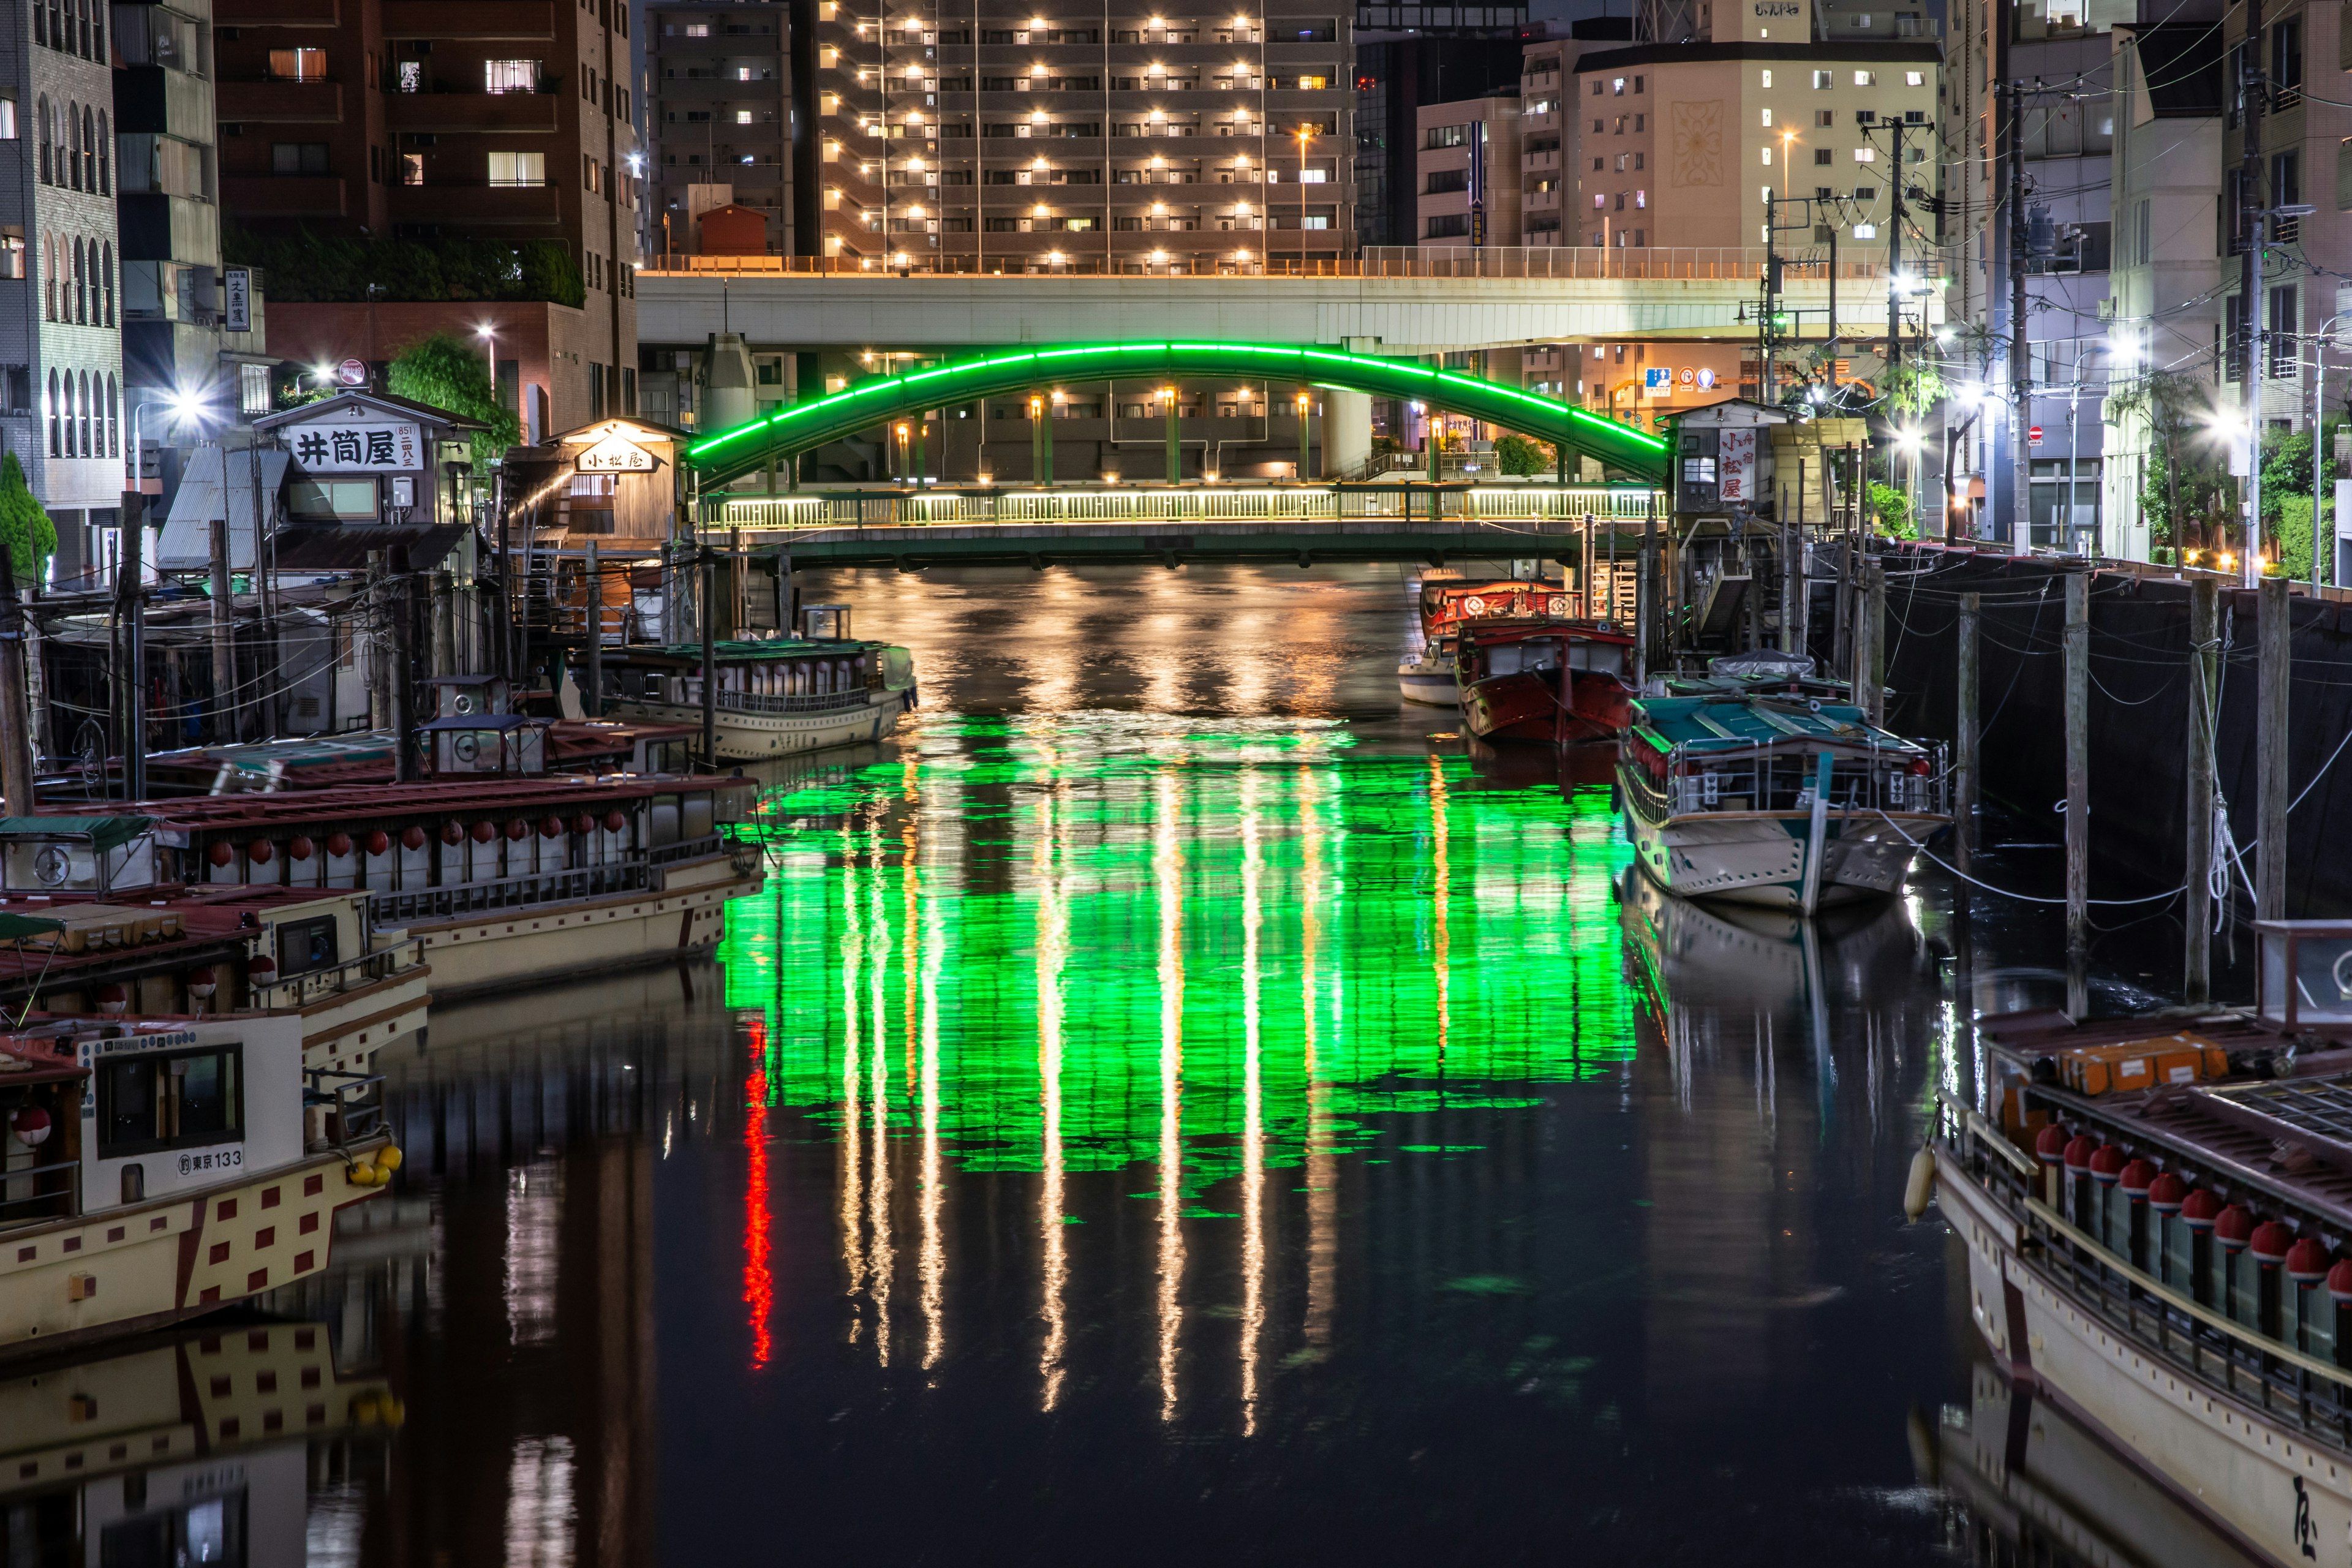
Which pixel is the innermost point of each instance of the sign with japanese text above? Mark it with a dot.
(357, 445)
(237, 300)
(614, 456)
(1737, 474)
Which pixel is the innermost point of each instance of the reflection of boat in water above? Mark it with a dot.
(2042, 1488)
(1732, 955)
(1591, 766)
(2155, 1211)
(1785, 804)
(194, 1449)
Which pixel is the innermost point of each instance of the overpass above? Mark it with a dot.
(1413, 304)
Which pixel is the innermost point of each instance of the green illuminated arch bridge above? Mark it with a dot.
(803, 426)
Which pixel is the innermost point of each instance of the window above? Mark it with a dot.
(1449, 226)
(8, 118)
(1768, 120)
(1767, 153)
(412, 76)
(1865, 78)
(1915, 78)
(742, 117)
(412, 168)
(171, 1100)
(498, 75)
(698, 29)
(1617, 86)
(1865, 154)
(1825, 117)
(306, 945)
(1824, 80)
(298, 65)
(1822, 155)
(298, 158)
(513, 169)
(12, 258)
(1767, 79)
(1449, 136)
(1444, 180)
(253, 389)
(2286, 59)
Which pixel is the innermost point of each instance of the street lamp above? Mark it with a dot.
(2258, 342)
(1306, 134)
(2319, 431)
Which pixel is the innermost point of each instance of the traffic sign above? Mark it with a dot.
(351, 372)
(2034, 434)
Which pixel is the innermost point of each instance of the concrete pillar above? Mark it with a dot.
(1347, 431)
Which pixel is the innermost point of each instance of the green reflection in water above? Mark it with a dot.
(1050, 940)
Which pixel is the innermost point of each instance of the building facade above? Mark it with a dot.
(1117, 140)
(721, 118)
(1467, 171)
(1396, 73)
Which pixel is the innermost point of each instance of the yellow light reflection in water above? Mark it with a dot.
(1322, 1168)
(1441, 856)
(1168, 885)
(853, 1181)
(934, 1256)
(1052, 952)
(1252, 1109)
(882, 1257)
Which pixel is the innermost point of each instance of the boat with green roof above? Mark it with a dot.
(1787, 802)
(777, 696)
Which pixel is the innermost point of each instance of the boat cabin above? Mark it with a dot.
(1446, 606)
(778, 675)
(1541, 647)
(1737, 753)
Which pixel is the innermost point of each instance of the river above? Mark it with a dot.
(1166, 1104)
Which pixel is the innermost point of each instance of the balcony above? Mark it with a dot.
(271, 100)
(525, 21)
(504, 205)
(528, 112)
(277, 14)
(283, 196)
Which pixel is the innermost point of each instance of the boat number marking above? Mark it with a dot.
(219, 1160)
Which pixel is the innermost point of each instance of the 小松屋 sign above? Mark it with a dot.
(357, 445)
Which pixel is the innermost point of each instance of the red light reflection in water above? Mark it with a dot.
(758, 1286)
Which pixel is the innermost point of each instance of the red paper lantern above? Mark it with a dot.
(114, 999)
(453, 832)
(31, 1126)
(484, 832)
(339, 844)
(222, 852)
(616, 820)
(377, 843)
(299, 847)
(202, 983)
(550, 828)
(259, 851)
(518, 830)
(412, 836)
(584, 824)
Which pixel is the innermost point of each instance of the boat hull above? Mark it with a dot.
(1528, 707)
(1431, 685)
(2249, 1477)
(684, 915)
(750, 736)
(1758, 857)
(122, 1270)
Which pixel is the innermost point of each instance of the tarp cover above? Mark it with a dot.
(187, 542)
(103, 832)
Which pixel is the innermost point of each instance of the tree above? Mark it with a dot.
(2185, 491)
(447, 372)
(1892, 510)
(1517, 453)
(32, 537)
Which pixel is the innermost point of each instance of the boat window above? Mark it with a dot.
(1518, 658)
(696, 819)
(306, 945)
(1606, 656)
(661, 824)
(158, 1102)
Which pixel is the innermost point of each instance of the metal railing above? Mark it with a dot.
(353, 1102)
(300, 990)
(1560, 263)
(798, 702)
(40, 1195)
(1504, 501)
(686, 849)
(513, 892)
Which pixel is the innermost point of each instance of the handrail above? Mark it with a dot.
(1974, 1120)
(395, 909)
(1539, 263)
(384, 961)
(800, 702)
(71, 1192)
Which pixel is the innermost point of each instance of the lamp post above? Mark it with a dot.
(1302, 439)
(2319, 436)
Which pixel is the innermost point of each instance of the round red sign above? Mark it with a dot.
(351, 372)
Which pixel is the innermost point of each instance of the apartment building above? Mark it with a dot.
(428, 119)
(1547, 145)
(1396, 73)
(2169, 254)
(61, 407)
(1467, 172)
(719, 118)
(1124, 141)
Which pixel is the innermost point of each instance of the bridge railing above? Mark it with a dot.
(1560, 262)
(1202, 503)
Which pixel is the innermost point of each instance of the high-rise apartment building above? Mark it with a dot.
(1467, 171)
(1396, 73)
(1120, 138)
(1546, 146)
(506, 119)
(62, 408)
(719, 118)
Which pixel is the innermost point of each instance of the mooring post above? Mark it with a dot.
(1650, 584)
(2204, 651)
(2078, 784)
(1789, 569)
(1965, 777)
(593, 697)
(2270, 848)
(709, 659)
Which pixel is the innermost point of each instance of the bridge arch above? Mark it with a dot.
(801, 427)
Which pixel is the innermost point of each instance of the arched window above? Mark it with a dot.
(89, 151)
(48, 278)
(86, 447)
(70, 414)
(79, 310)
(49, 173)
(97, 33)
(106, 276)
(55, 451)
(69, 152)
(113, 418)
(105, 145)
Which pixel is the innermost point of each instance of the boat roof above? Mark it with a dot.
(365, 756)
(365, 804)
(1484, 633)
(103, 832)
(1739, 723)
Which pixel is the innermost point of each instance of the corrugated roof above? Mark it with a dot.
(103, 832)
(1717, 722)
(186, 544)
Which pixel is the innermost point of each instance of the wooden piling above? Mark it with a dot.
(1965, 774)
(2204, 669)
(2078, 768)
(593, 699)
(2270, 749)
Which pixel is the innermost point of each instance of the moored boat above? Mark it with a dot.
(776, 696)
(2155, 1213)
(1447, 603)
(1785, 804)
(1555, 680)
(152, 1169)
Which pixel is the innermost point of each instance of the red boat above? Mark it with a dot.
(1447, 603)
(1554, 681)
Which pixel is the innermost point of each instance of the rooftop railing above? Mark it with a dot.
(1561, 263)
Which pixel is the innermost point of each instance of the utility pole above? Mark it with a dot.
(2204, 666)
(1965, 772)
(2020, 370)
(2276, 668)
(2253, 227)
(225, 724)
(16, 712)
(2078, 787)
(1894, 264)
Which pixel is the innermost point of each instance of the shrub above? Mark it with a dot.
(447, 372)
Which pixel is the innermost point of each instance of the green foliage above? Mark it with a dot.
(448, 372)
(1892, 510)
(2290, 531)
(32, 537)
(2186, 491)
(1914, 388)
(307, 268)
(1523, 455)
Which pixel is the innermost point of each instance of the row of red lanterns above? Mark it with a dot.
(453, 833)
(2272, 1243)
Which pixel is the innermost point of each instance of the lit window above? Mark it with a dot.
(1767, 79)
(1767, 153)
(702, 30)
(499, 76)
(1915, 78)
(1824, 80)
(1865, 154)
(298, 65)
(742, 117)
(8, 118)
(518, 168)
(1865, 78)
(1768, 120)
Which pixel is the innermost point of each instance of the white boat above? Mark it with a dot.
(152, 1169)
(1428, 679)
(1789, 804)
(776, 696)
